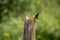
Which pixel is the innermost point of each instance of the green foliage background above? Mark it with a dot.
(12, 17)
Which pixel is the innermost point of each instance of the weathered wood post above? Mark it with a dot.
(29, 29)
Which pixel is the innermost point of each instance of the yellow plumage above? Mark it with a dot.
(33, 17)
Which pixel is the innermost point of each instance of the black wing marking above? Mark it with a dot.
(36, 16)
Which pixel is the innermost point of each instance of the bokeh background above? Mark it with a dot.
(12, 17)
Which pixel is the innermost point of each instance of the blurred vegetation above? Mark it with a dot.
(13, 12)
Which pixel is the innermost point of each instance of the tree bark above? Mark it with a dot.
(29, 30)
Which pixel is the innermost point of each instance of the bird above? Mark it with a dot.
(35, 17)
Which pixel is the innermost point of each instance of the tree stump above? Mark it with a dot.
(29, 29)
